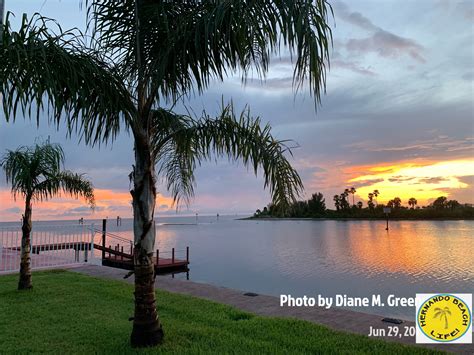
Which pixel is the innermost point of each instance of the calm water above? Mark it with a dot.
(357, 258)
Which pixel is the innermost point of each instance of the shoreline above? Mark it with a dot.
(348, 219)
(340, 319)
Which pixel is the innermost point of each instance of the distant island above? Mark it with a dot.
(441, 208)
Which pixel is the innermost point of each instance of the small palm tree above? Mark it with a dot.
(370, 202)
(397, 202)
(442, 313)
(337, 202)
(359, 204)
(35, 173)
(412, 202)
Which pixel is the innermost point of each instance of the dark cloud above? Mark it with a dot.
(353, 67)
(401, 178)
(342, 11)
(438, 143)
(387, 45)
(467, 179)
(12, 210)
(468, 76)
(370, 182)
(466, 8)
(384, 43)
(431, 180)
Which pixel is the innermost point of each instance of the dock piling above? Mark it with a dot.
(104, 232)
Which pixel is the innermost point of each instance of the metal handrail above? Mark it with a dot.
(115, 236)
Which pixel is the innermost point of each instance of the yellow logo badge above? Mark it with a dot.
(444, 318)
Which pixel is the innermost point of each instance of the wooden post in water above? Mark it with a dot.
(157, 257)
(104, 232)
(387, 211)
(172, 256)
(187, 254)
(121, 256)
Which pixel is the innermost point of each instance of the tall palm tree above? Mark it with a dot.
(352, 191)
(375, 194)
(143, 54)
(36, 174)
(412, 202)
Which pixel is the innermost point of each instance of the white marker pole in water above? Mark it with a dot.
(387, 211)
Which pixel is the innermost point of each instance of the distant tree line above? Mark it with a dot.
(346, 207)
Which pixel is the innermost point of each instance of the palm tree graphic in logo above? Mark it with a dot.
(442, 313)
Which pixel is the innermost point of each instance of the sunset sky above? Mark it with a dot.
(397, 117)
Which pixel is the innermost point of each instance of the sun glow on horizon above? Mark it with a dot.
(421, 181)
(109, 203)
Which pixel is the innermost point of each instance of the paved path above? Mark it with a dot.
(338, 319)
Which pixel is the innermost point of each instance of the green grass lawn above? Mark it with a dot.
(72, 313)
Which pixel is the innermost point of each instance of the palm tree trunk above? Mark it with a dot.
(25, 262)
(147, 329)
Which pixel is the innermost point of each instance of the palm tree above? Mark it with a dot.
(360, 204)
(337, 202)
(352, 191)
(370, 202)
(440, 202)
(143, 54)
(397, 202)
(442, 313)
(36, 174)
(375, 194)
(412, 202)
(343, 199)
(452, 204)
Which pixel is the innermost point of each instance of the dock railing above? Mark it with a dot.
(60, 245)
(50, 246)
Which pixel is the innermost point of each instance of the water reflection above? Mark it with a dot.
(357, 258)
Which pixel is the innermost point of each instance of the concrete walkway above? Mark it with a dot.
(338, 319)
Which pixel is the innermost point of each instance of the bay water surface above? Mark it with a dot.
(327, 257)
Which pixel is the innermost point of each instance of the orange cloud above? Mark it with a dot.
(424, 181)
(109, 203)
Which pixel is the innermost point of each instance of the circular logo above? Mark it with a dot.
(444, 318)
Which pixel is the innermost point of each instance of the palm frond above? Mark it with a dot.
(43, 70)
(180, 143)
(185, 44)
(17, 168)
(72, 184)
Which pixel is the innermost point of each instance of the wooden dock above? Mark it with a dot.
(115, 254)
(115, 257)
(98, 246)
